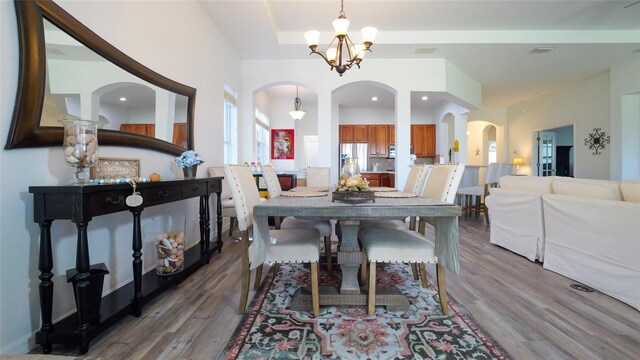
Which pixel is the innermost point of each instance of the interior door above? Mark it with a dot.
(546, 153)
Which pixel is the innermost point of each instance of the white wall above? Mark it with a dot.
(584, 105)
(409, 75)
(477, 121)
(625, 121)
(367, 116)
(178, 52)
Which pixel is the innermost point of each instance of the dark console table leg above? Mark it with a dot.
(136, 246)
(46, 285)
(201, 212)
(82, 286)
(219, 219)
(207, 226)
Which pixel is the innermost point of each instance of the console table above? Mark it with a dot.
(80, 204)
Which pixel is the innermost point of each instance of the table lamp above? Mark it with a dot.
(517, 161)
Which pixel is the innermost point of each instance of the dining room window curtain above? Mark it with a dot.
(230, 126)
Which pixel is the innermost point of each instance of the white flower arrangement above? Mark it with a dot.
(188, 158)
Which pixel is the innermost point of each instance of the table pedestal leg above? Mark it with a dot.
(349, 292)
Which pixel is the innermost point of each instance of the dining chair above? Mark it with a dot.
(474, 195)
(322, 225)
(298, 245)
(402, 245)
(383, 245)
(228, 207)
(318, 177)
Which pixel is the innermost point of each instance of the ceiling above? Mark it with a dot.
(488, 40)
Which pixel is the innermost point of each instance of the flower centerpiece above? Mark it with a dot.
(353, 189)
(189, 161)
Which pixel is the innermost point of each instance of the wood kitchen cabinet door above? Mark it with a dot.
(353, 134)
(373, 178)
(140, 129)
(392, 134)
(378, 140)
(423, 140)
(360, 133)
(346, 133)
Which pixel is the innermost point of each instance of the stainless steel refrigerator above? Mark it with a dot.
(355, 150)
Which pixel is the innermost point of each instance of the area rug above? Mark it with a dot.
(269, 330)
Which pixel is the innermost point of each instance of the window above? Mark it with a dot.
(492, 152)
(262, 137)
(230, 126)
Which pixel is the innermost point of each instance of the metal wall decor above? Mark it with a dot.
(596, 141)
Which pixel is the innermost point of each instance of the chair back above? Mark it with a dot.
(215, 171)
(271, 178)
(443, 182)
(416, 178)
(492, 173)
(318, 177)
(244, 191)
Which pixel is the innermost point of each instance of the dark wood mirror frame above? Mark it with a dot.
(25, 130)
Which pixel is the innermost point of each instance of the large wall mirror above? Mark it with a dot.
(67, 71)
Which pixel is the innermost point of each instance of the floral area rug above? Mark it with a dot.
(269, 330)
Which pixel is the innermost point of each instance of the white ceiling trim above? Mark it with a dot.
(482, 37)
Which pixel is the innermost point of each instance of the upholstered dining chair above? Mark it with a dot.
(318, 177)
(402, 245)
(322, 225)
(298, 245)
(392, 245)
(228, 207)
(474, 195)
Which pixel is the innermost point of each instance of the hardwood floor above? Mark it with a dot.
(531, 312)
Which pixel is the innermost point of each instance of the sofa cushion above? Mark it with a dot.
(630, 191)
(597, 189)
(534, 184)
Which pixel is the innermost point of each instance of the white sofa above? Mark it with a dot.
(587, 230)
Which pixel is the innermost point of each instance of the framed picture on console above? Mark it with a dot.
(282, 144)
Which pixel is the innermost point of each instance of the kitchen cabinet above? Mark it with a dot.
(379, 140)
(380, 179)
(179, 131)
(353, 134)
(423, 140)
(392, 134)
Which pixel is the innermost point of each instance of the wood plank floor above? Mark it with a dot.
(531, 312)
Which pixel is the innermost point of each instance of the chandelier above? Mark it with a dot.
(297, 114)
(342, 45)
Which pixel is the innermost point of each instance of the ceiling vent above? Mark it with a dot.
(542, 49)
(422, 51)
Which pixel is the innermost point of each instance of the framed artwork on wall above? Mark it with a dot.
(282, 144)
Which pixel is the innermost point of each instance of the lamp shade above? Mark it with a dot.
(369, 34)
(313, 37)
(341, 25)
(297, 114)
(518, 161)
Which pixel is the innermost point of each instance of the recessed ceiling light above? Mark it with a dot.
(123, 99)
(542, 49)
(375, 98)
(425, 98)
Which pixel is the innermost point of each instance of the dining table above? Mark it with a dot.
(444, 216)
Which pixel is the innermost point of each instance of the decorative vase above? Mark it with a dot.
(80, 145)
(351, 167)
(190, 172)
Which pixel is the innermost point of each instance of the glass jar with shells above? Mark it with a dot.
(80, 145)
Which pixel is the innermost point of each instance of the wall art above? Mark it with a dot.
(282, 144)
(596, 141)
